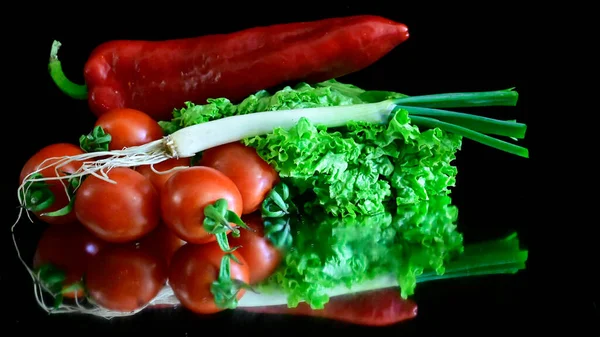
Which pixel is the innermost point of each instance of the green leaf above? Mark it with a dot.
(330, 251)
(97, 140)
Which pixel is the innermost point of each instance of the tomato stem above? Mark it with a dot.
(277, 230)
(224, 243)
(96, 140)
(218, 218)
(71, 189)
(277, 203)
(37, 196)
(224, 289)
(73, 90)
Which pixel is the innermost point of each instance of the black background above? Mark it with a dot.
(469, 49)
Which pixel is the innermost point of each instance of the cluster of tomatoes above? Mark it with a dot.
(125, 241)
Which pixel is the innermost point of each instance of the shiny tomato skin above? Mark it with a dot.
(120, 212)
(159, 179)
(69, 249)
(262, 257)
(253, 176)
(61, 200)
(187, 193)
(123, 277)
(194, 268)
(129, 127)
(162, 242)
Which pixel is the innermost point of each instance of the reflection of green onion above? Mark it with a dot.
(501, 256)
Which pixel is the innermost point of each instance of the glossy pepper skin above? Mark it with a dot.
(381, 307)
(158, 76)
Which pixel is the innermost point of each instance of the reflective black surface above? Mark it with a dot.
(446, 52)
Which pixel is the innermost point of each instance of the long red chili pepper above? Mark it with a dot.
(158, 76)
(374, 308)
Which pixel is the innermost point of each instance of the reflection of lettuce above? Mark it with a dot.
(329, 251)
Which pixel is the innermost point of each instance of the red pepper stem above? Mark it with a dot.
(73, 90)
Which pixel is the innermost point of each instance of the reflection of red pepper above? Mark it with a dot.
(158, 76)
(373, 308)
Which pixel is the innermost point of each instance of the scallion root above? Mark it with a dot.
(97, 164)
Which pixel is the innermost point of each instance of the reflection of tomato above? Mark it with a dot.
(262, 257)
(119, 212)
(253, 176)
(194, 268)
(129, 127)
(159, 179)
(56, 187)
(187, 193)
(68, 249)
(162, 242)
(123, 277)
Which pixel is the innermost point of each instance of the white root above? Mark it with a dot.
(97, 164)
(81, 305)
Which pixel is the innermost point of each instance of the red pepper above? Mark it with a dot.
(373, 308)
(158, 76)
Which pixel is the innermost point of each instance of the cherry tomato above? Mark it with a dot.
(194, 268)
(123, 277)
(187, 193)
(69, 249)
(119, 212)
(56, 187)
(162, 242)
(159, 179)
(253, 176)
(129, 127)
(262, 257)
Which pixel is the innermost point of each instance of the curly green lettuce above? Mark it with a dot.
(330, 251)
(360, 168)
(348, 171)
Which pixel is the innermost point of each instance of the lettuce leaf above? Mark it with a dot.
(301, 96)
(330, 251)
(349, 171)
(359, 169)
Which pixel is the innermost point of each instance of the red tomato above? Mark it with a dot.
(187, 193)
(194, 268)
(262, 257)
(56, 187)
(159, 179)
(124, 277)
(162, 242)
(68, 249)
(119, 212)
(250, 173)
(129, 127)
